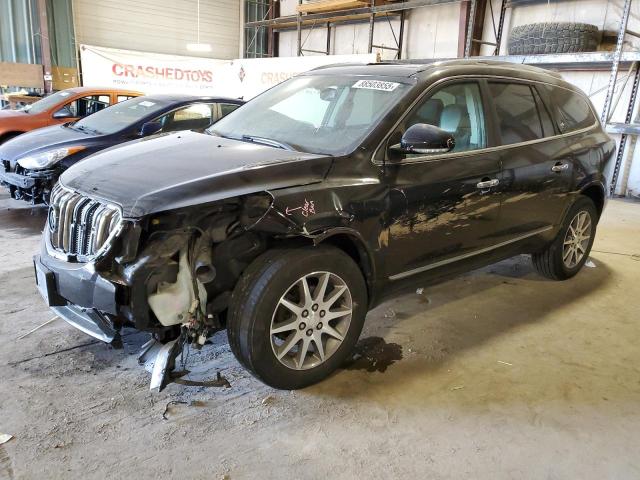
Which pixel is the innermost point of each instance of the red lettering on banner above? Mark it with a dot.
(149, 71)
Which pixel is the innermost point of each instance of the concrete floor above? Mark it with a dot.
(497, 374)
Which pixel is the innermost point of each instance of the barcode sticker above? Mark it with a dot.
(376, 85)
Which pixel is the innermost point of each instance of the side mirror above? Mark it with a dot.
(150, 128)
(64, 112)
(425, 139)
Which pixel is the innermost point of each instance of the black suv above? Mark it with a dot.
(295, 214)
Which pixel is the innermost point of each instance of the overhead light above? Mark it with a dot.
(199, 47)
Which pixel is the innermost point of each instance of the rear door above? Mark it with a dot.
(537, 165)
(448, 212)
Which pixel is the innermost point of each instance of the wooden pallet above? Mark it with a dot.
(323, 6)
(344, 18)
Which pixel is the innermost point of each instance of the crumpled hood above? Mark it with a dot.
(187, 168)
(41, 140)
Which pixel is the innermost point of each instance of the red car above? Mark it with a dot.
(61, 107)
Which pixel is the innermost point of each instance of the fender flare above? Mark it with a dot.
(367, 262)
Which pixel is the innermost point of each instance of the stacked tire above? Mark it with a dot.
(553, 37)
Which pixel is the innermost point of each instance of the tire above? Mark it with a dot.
(257, 314)
(550, 37)
(552, 261)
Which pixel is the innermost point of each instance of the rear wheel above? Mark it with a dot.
(566, 255)
(296, 314)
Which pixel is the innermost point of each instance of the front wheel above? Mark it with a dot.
(568, 252)
(296, 314)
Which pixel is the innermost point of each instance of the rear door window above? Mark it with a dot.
(194, 117)
(122, 98)
(545, 116)
(518, 113)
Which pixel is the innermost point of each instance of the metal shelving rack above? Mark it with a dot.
(371, 14)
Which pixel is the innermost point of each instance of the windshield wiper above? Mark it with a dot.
(268, 141)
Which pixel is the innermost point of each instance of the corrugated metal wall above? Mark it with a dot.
(18, 28)
(160, 26)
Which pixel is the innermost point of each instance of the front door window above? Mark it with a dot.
(457, 109)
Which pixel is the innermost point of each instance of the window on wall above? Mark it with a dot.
(256, 39)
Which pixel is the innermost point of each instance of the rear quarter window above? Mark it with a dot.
(573, 110)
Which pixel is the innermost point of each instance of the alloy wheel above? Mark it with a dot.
(311, 320)
(576, 240)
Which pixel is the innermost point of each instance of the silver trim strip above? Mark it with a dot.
(447, 261)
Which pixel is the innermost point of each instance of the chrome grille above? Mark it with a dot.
(79, 225)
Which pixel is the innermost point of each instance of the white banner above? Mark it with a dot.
(148, 72)
(158, 73)
(249, 77)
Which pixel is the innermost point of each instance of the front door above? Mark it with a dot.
(452, 201)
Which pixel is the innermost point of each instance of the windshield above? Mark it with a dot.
(47, 102)
(316, 113)
(121, 115)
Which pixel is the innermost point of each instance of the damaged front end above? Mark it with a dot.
(170, 274)
(33, 186)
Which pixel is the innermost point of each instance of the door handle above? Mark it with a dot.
(487, 184)
(559, 167)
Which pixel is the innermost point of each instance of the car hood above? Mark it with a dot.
(8, 114)
(41, 140)
(187, 168)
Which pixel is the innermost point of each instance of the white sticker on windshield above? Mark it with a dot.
(64, 94)
(376, 85)
(146, 103)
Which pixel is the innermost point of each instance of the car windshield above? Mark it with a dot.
(48, 102)
(120, 116)
(316, 113)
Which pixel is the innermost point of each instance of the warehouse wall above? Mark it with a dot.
(18, 28)
(160, 26)
(430, 32)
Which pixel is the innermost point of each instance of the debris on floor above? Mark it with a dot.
(419, 291)
(220, 381)
(505, 363)
(172, 402)
(374, 354)
(5, 437)
(389, 313)
(589, 263)
(38, 327)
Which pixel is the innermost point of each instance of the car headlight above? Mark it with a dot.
(48, 158)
